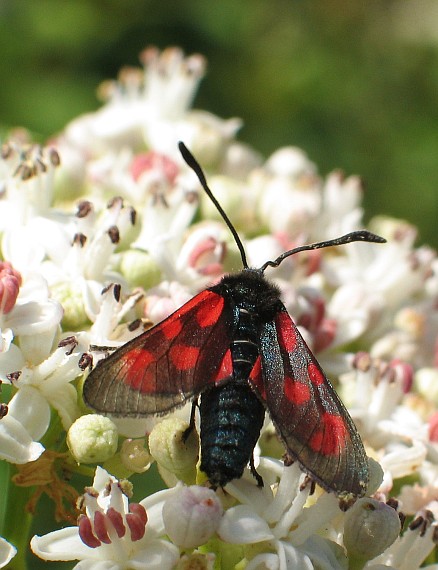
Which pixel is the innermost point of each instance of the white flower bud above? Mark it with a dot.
(369, 528)
(169, 447)
(92, 438)
(192, 515)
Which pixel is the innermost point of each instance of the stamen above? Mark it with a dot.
(86, 532)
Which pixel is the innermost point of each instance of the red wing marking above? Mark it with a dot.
(296, 392)
(315, 374)
(207, 316)
(331, 436)
(137, 358)
(288, 338)
(172, 329)
(184, 357)
(226, 368)
(256, 377)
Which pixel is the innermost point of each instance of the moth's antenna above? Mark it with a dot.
(194, 165)
(360, 235)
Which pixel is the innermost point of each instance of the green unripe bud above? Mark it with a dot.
(92, 439)
(140, 268)
(69, 294)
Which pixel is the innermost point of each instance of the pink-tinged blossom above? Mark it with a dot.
(114, 532)
(163, 300)
(148, 162)
(10, 281)
(192, 516)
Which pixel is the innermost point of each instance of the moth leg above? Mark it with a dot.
(257, 477)
(191, 427)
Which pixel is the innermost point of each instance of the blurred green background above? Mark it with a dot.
(354, 83)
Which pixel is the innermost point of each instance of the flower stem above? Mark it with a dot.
(15, 521)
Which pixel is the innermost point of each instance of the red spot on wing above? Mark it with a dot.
(286, 332)
(137, 376)
(296, 392)
(184, 357)
(256, 377)
(138, 358)
(172, 328)
(209, 312)
(315, 374)
(225, 369)
(330, 437)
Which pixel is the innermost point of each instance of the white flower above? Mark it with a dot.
(26, 175)
(35, 320)
(20, 431)
(113, 534)
(289, 192)
(276, 516)
(40, 386)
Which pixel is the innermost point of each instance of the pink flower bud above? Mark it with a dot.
(192, 515)
(404, 373)
(207, 255)
(10, 281)
(154, 161)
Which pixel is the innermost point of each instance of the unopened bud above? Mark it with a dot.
(92, 438)
(175, 449)
(192, 515)
(370, 527)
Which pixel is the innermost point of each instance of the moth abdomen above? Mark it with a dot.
(231, 420)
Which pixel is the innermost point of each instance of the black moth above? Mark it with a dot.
(236, 349)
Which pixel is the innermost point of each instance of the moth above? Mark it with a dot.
(234, 351)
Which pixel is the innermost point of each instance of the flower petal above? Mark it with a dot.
(241, 525)
(265, 561)
(11, 357)
(16, 445)
(64, 400)
(154, 509)
(7, 552)
(63, 544)
(31, 410)
(159, 554)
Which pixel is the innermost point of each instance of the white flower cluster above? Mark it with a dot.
(108, 234)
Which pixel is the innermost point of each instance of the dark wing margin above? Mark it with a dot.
(167, 365)
(313, 423)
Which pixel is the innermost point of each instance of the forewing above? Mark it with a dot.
(168, 364)
(313, 423)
